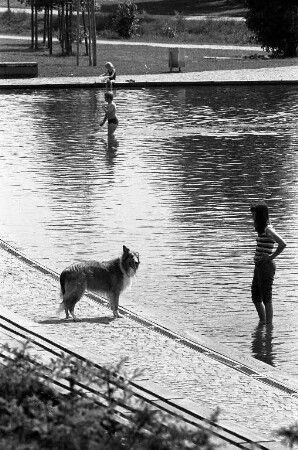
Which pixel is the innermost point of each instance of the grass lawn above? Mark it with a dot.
(130, 59)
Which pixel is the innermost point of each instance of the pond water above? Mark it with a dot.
(175, 185)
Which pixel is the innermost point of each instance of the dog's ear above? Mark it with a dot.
(125, 249)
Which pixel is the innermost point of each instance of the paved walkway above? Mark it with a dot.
(253, 397)
(243, 48)
(276, 75)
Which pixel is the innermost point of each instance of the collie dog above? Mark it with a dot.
(109, 278)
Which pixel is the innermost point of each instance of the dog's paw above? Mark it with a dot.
(75, 318)
(116, 315)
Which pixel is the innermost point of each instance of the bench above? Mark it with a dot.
(18, 70)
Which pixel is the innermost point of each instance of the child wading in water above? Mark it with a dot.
(261, 289)
(110, 114)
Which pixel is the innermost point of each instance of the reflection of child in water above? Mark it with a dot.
(110, 114)
(109, 75)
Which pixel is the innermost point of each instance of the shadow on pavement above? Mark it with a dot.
(105, 320)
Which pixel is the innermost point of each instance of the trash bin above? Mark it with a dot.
(176, 58)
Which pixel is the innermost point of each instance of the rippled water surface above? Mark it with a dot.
(175, 185)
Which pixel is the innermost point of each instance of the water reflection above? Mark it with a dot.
(261, 346)
(175, 184)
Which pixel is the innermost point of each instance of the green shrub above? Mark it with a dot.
(180, 22)
(275, 25)
(107, 34)
(105, 27)
(168, 31)
(126, 20)
(225, 32)
(290, 434)
(104, 22)
(34, 416)
(14, 22)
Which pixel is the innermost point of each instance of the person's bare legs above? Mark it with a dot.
(269, 313)
(261, 311)
(111, 129)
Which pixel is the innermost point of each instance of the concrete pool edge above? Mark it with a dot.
(142, 84)
(287, 75)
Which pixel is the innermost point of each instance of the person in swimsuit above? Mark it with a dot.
(110, 114)
(109, 75)
(264, 271)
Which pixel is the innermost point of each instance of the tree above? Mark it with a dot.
(69, 28)
(275, 25)
(126, 20)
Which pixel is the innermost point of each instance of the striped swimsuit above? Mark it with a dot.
(264, 271)
(265, 244)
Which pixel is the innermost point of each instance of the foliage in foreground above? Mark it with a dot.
(290, 434)
(35, 416)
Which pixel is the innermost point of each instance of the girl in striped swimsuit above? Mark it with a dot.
(261, 289)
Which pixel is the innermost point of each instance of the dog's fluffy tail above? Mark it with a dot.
(61, 308)
(62, 282)
(62, 292)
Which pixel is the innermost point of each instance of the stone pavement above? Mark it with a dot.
(253, 397)
(277, 75)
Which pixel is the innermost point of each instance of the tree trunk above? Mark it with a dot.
(90, 34)
(69, 48)
(93, 33)
(32, 24)
(290, 51)
(66, 28)
(36, 28)
(51, 31)
(45, 24)
(78, 32)
(85, 32)
(62, 30)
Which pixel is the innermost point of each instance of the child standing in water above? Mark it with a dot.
(261, 288)
(110, 114)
